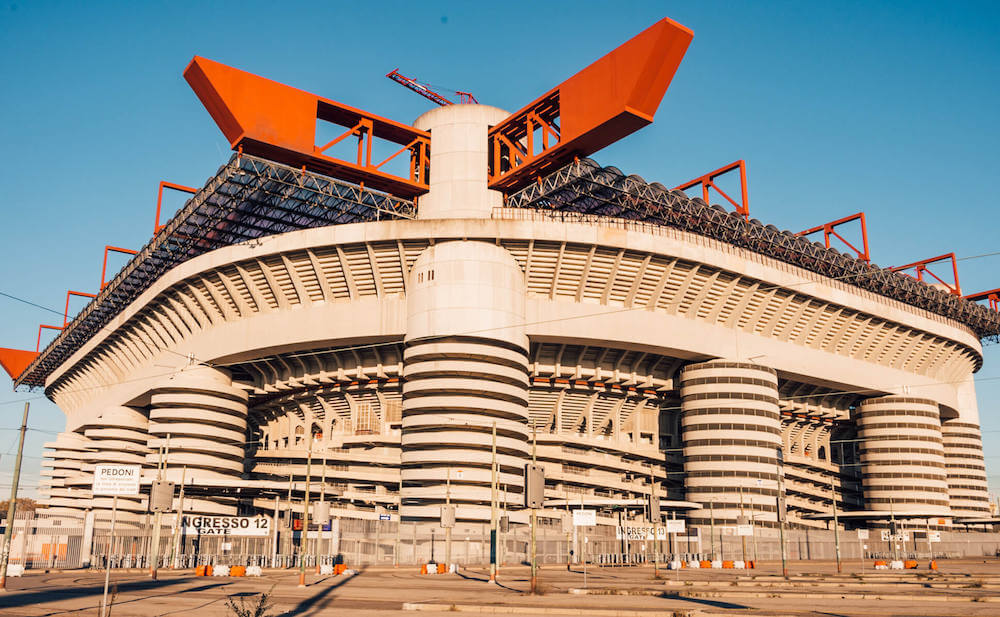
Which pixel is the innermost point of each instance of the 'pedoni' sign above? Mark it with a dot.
(226, 525)
(116, 479)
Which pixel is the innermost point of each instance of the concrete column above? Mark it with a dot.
(731, 432)
(465, 367)
(459, 150)
(65, 463)
(119, 435)
(902, 457)
(968, 493)
(206, 417)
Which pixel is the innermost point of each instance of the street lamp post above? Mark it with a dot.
(781, 512)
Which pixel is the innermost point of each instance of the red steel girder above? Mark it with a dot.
(610, 99)
(14, 361)
(80, 294)
(992, 295)
(104, 267)
(708, 182)
(829, 229)
(920, 267)
(278, 122)
(38, 343)
(159, 204)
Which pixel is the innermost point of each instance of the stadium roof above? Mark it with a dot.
(586, 188)
(251, 197)
(248, 198)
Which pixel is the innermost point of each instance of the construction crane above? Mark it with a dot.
(425, 91)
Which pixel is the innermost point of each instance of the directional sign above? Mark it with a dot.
(640, 533)
(385, 517)
(226, 525)
(675, 526)
(116, 479)
(584, 518)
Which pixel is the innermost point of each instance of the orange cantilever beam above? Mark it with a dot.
(608, 100)
(159, 204)
(74, 293)
(116, 249)
(920, 267)
(829, 229)
(269, 119)
(38, 343)
(708, 182)
(14, 361)
(992, 295)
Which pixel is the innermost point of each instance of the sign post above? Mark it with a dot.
(862, 535)
(114, 480)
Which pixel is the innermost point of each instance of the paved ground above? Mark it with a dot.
(967, 588)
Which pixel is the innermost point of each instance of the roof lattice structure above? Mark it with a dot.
(248, 198)
(586, 188)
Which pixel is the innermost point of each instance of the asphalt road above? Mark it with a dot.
(968, 588)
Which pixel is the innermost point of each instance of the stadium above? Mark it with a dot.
(413, 331)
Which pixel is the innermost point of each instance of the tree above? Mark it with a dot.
(23, 505)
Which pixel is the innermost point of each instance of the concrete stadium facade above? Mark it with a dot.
(632, 358)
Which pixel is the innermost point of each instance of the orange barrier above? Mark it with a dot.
(910, 564)
(205, 570)
(704, 563)
(340, 568)
(423, 569)
(880, 562)
(749, 565)
(728, 564)
(442, 568)
(238, 571)
(683, 565)
(932, 565)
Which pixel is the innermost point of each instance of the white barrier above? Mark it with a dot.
(255, 571)
(326, 568)
(220, 570)
(15, 569)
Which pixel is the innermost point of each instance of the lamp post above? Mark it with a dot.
(781, 511)
(304, 542)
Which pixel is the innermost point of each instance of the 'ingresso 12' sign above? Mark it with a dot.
(226, 525)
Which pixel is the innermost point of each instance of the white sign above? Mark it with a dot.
(675, 526)
(640, 533)
(862, 534)
(226, 525)
(744, 530)
(116, 479)
(934, 536)
(227, 546)
(887, 537)
(584, 518)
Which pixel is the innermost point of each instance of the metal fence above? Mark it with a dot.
(41, 542)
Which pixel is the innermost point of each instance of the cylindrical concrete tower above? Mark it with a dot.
(119, 435)
(465, 368)
(968, 490)
(902, 457)
(459, 162)
(731, 430)
(206, 418)
(64, 464)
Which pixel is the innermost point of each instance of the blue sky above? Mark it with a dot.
(884, 107)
